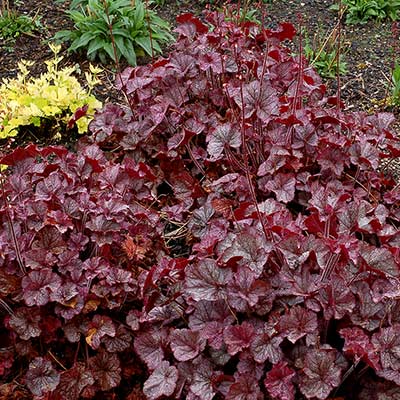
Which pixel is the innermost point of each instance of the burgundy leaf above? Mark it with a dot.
(284, 31)
(266, 346)
(298, 323)
(189, 25)
(336, 299)
(247, 247)
(295, 250)
(41, 377)
(79, 113)
(214, 333)
(220, 264)
(186, 344)
(206, 281)
(50, 239)
(257, 98)
(66, 294)
(380, 260)
(37, 259)
(279, 383)
(149, 346)
(357, 343)
(106, 369)
(332, 159)
(26, 323)
(238, 337)
(210, 319)
(221, 139)
(354, 217)
(202, 384)
(73, 381)
(50, 187)
(283, 185)
(132, 320)
(387, 341)
(245, 388)
(246, 291)
(211, 60)
(321, 374)
(210, 311)
(367, 313)
(120, 342)
(39, 285)
(161, 382)
(199, 223)
(100, 326)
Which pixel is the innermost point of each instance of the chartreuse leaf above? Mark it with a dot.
(53, 96)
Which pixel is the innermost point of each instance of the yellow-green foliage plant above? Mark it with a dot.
(50, 99)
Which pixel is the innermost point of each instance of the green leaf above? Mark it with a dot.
(145, 43)
(63, 35)
(119, 42)
(122, 32)
(131, 58)
(108, 48)
(139, 12)
(117, 6)
(82, 41)
(77, 16)
(94, 46)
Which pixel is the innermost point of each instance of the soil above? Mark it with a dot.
(367, 48)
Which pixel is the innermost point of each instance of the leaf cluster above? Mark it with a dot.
(395, 85)
(51, 99)
(112, 30)
(283, 281)
(325, 54)
(12, 25)
(361, 11)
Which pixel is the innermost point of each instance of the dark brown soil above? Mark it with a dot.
(367, 48)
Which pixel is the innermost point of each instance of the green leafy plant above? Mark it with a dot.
(247, 10)
(12, 25)
(241, 15)
(224, 2)
(55, 99)
(395, 85)
(323, 52)
(115, 29)
(361, 11)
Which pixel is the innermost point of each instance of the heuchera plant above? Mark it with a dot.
(235, 241)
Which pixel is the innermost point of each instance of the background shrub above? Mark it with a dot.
(49, 105)
(361, 11)
(136, 30)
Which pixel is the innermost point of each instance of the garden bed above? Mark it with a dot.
(223, 228)
(368, 48)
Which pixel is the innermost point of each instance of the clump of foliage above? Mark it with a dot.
(236, 240)
(361, 11)
(395, 85)
(325, 54)
(111, 30)
(55, 100)
(12, 25)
